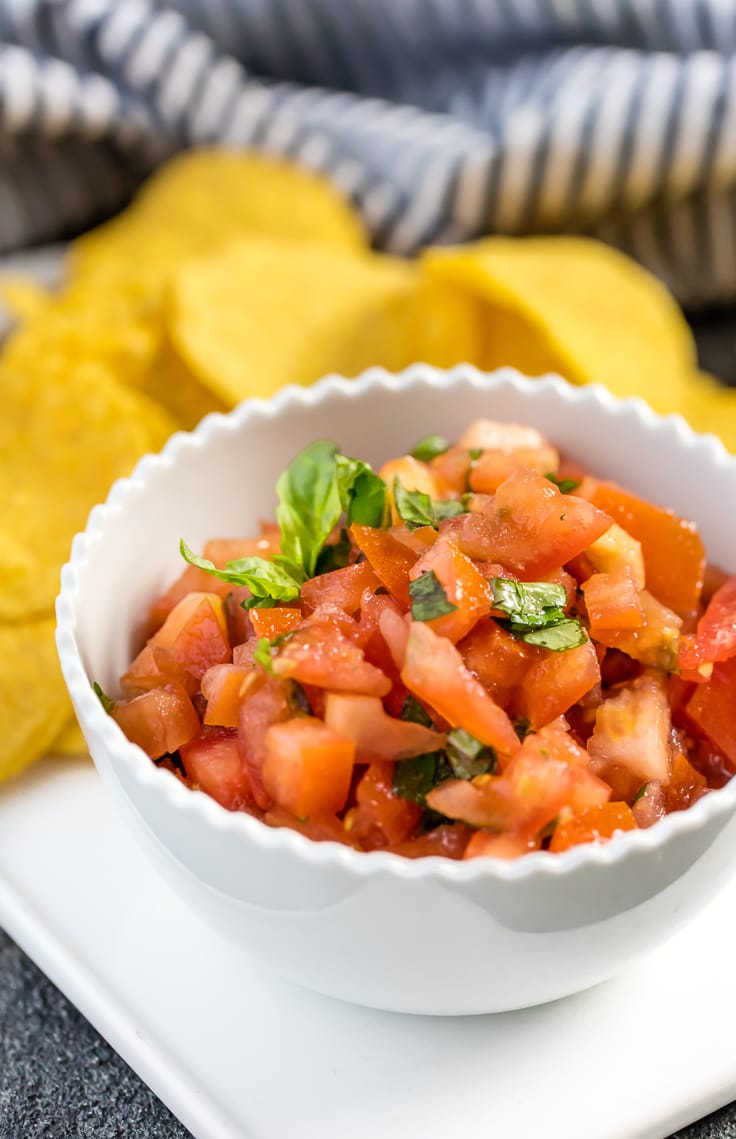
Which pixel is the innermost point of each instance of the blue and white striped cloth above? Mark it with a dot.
(442, 119)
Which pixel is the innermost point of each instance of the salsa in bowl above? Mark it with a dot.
(345, 915)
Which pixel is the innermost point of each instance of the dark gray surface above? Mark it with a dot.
(58, 1077)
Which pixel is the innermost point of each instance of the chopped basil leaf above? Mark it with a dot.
(265, 579)
(563, 635)
(103, 698)
(548, 829)
(536, 612)
(469, 756)
(475, 453)
(415, 508)
(262, 654)
(297, 700)
(414, 711)
(363, 492)
(334, 556)
(259, 603)
(414, 778)
(639, 794)
(429, 447)
(428, 598)
(565, 486)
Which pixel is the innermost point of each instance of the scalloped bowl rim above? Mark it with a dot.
(717, 803)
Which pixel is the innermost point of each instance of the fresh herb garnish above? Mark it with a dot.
(565, 486)
(469, 756)
(415, 508)
(262, 654)
(475, 453)
(522, 727)
(412, 710)
(106, 702)
(536, 612)
(414, 778)
(639, 794)
(428, 598)
(430, 447)
(314, 491)
(335, 555)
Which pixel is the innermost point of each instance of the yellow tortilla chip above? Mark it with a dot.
(577, 307)
(204, 199)
(23, 298)
(70, 741)
(266, 312)
(34, 705)
(65, 436)
(710, 407)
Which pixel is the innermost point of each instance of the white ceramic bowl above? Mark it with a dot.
(432, 935)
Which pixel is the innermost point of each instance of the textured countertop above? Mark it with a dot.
(58, 1077)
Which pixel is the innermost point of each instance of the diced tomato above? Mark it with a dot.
(412, 474)
(548, 772)
(342, 587)
(307, 767)
(616, 552)
(595, 824)
(686, 785)
(391, 560)
(556, 681)
(451, 469)
(213, 762)
(395, 633)
(655, 642)
(221, 688)
(494, 467)
(381, 817)
(712, 708)
(716, 634)
(466, 588)
(320, 828)
(239, 628)
(498, 659)
(486, 844)
(272, 623)
(674, 555)
(263, 705)
(632, 728)
(509, 438)
(159, 721)
(530, 527)
(434, 671)
(323, 656)
(448, 840)
(376, 735)
(415, 540)
(612, 601)
(194, 636)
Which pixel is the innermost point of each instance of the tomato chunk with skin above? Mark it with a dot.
(376, 735)
(194, 637)
(381, 817)
(266, 703)
(556, 681)
(498, 659)
(435, 672)
(390, 559)
(307, 767)
(486, 844)
(595, 824)
(529, 526)
(272, 623)
(465, 586)
(712, 708)
(674, 555)
(341, 587)
(222, 687)
(321, 655)
(612, 601)
(715, 639)
(632, 728)
(213, 762)
(159, 721)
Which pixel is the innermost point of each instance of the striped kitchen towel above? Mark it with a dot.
(442, 119)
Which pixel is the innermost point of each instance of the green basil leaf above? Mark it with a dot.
(428, 598)
(334, 556)
(367, 499)
(415, 508)
(565, 486)
(469, 756)
(262, 654)
(530, 603)
(641, 792)
(412, 710)
(310, 504)
(266, 579)
(558, 637)
(430, 447)
(106, 702)
(414, 778)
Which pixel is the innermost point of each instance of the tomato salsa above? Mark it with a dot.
(480, 649)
